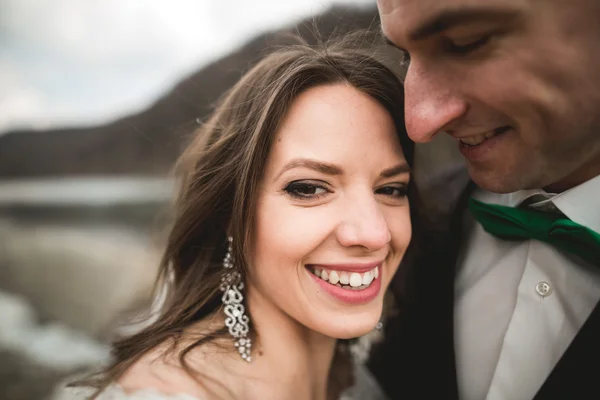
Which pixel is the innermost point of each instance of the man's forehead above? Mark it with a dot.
(411, 19)
(390, 5)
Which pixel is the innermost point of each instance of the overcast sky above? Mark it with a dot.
(76, 62)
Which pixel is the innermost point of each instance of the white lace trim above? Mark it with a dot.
(365, 388)
(116, 392)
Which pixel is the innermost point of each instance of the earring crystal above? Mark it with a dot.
(236, 319)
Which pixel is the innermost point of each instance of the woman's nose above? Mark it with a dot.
(364, 225)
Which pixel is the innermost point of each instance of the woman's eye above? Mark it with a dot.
(393, 191)
(466, 47)
(305, 190)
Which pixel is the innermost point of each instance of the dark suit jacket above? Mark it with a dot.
(417, 360)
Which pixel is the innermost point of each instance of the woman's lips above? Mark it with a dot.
(346, 283)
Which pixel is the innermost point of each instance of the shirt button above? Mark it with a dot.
(543, 289)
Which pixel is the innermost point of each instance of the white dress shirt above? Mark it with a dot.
(520, 304)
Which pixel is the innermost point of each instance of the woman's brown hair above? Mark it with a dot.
(218, 175)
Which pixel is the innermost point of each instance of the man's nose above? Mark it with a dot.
(431, 106)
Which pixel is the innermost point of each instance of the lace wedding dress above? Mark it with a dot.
(364, 388)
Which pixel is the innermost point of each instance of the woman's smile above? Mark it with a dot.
(349, 276)
(350, 283)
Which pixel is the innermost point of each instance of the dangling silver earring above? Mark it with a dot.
(236, 319)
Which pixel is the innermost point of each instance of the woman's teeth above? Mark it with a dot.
(347, 280)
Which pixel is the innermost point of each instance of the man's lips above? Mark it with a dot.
(476, 139)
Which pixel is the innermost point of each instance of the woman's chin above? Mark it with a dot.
(350, 327)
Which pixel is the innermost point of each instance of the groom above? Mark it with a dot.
(509, 311)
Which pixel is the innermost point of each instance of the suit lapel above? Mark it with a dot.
(576, 374)
(456, 233)
(434, 312)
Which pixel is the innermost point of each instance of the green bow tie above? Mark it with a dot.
(555, 229)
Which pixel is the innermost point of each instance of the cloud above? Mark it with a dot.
(73, 62)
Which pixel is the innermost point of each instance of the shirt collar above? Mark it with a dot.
(581, 203)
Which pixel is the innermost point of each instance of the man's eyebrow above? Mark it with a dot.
(449, 18)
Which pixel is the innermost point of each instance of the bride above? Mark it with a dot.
(291, 219)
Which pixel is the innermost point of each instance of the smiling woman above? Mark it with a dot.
(293, 215)
(332, 200)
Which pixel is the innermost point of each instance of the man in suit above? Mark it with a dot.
(494, 314)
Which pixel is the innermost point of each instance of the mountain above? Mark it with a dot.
(147, 143)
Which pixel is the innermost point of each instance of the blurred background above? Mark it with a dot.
(97, 98)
